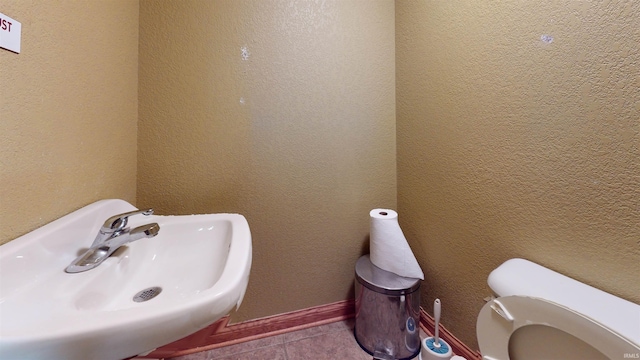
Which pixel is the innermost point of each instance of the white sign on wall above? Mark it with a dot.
(10, 31)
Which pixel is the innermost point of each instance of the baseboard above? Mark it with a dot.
(221, 333)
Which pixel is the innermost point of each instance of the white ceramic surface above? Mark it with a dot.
(523, 277)
(536, 305)
(201, 262)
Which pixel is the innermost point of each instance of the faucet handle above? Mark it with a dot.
(119, 222)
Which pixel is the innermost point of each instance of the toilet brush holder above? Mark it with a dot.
(431, 351)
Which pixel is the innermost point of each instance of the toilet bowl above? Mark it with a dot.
(541, 314)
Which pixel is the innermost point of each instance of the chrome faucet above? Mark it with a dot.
(112, 235)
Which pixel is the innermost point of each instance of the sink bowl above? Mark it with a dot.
(197, 267)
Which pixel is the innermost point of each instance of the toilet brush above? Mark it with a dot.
(434, 348)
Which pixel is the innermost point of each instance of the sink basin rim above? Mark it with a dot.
(220, 298)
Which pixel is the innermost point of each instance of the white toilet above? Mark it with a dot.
(540, 314)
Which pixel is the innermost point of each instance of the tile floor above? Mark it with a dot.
(325, 342)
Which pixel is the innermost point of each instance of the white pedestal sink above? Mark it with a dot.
(200, 263)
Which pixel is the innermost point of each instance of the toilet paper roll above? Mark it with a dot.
(389, 248)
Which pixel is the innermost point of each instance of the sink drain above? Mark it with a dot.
(147, 294)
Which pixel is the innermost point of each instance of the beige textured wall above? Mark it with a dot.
(509, 146)
(298, 135)
(68, 105)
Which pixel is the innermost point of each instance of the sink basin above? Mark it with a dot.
(198, 265)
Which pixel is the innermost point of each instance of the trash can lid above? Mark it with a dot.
(383, 281)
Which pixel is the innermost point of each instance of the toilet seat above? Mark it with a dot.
(501, 317)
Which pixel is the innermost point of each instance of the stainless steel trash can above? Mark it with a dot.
(387, 312)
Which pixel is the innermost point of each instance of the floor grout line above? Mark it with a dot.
(286, 354)
(287, 346)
